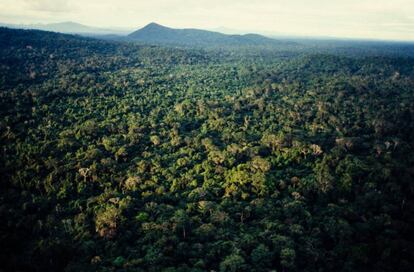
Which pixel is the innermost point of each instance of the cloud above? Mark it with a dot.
(49, 5)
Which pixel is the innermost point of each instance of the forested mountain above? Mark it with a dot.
(125, 157)
(154, 33)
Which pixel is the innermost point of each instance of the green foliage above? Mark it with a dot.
(125, 157)
(119, 261)
(287, 258)
(232, 263)
(261, 257)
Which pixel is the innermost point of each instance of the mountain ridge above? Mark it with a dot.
(154, 33)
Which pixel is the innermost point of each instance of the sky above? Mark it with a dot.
(367, 19)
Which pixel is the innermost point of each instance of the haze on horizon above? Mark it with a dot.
(367, 19)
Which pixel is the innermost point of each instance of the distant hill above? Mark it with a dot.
(69, 28)
(154, 33)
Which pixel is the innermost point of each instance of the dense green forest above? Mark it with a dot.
(117, 156)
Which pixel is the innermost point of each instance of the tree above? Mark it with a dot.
(232, 263)
(107, 222)
(287, 258)
(261, 256)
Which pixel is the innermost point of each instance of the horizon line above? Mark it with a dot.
(118, 29)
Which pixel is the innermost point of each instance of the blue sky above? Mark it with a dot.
(370, 19)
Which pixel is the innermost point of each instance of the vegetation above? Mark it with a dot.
(125, 157)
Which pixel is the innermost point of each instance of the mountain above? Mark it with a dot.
(70, 28)
(154, 33)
